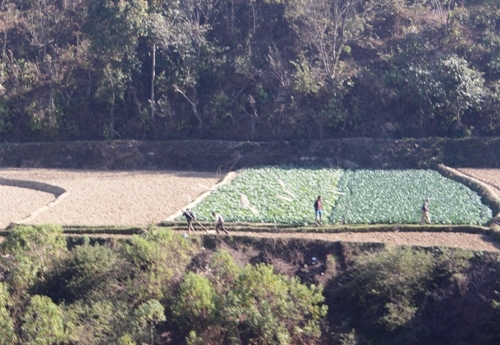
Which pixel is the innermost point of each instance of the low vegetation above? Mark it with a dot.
(392, 196)
(286, 195)
(142, 291)
(276, 195)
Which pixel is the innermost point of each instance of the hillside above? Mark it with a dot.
(248, 70)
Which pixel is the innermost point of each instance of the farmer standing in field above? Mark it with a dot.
(426, 215)
(189, 218)
(219, 223)
(318, 209)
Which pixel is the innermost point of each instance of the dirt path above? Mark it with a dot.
(145, 197)
(422, 239)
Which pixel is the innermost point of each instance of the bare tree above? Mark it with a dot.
(325, 27)
(9, 17)
(192, 23)
(278, 67)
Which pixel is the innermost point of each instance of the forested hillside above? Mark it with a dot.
(248, 69)
(161, 288)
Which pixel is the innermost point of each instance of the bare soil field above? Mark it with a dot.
(145, 197)
(102, 197)
(19, 203)
(488, 176)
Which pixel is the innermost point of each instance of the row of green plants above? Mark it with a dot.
(396, 196)
(275, 195)
(287, 195)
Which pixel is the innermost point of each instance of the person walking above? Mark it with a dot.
(318, 210)
(426, 213)
(190, 217)
(219, 223)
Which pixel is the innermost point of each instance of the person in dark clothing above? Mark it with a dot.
(219, 223)
(189, 218)
(318, 210)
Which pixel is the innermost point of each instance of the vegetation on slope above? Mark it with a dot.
(145, 290)
(160, 288)
(265, 69)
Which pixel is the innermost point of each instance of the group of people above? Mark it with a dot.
(318, 211)
(190, 218)
(318, 216)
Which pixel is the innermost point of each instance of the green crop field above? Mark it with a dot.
(275, 195)
(286, 195)
(396, 196)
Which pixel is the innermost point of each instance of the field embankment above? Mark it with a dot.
(212, 155)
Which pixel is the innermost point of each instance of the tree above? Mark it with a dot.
(147, 315)
(100, 320)
(114, 27)
(273, 308)
(7, 332)
(42, 323)
(87, 269)
(459, 89)
(192, 24)
(385, 289)
(159, 33)
(194, 306)
(34, 248)
(324, 30)
(9, 17)
(156, 258)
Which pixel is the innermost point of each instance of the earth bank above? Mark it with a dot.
(207, 155)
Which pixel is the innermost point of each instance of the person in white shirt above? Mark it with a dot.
(219, 223)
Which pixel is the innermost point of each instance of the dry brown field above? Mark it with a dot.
(101, 197)
(488, 176)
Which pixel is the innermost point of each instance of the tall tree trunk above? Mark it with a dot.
(153, 75)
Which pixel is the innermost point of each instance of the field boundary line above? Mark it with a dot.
(488, 195)
(227, 179)
(58, 192)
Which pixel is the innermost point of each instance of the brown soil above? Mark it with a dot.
(103, 197)
(18, 203)
(422, 239)
(146, 197)
(488, 176)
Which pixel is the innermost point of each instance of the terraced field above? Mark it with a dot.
(141, 198)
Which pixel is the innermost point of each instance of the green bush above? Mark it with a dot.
(384, 289)
(7, 332)
(86, 269)
(195, 303)
(34, 249)
(42, 323)
(155, 258)
(269, 308)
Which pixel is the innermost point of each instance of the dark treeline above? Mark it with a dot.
(248, 69)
